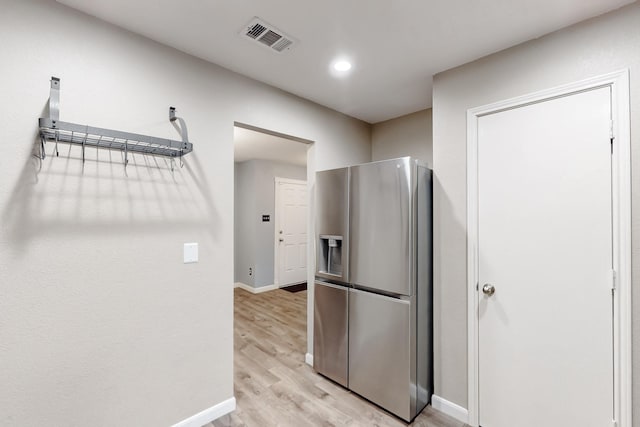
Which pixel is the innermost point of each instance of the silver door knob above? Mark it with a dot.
(488, 289)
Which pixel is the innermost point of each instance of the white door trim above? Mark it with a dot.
(621, 205)
(276, 246)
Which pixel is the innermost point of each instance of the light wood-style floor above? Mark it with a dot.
(275, 387)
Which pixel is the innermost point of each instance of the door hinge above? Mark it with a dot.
(614, 278)
(611, 135)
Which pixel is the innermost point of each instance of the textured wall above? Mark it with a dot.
(409, 135)
(598, 46)
(100, 321)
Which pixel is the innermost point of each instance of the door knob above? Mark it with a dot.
(488, 289)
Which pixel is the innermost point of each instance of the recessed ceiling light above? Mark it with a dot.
(342, 65)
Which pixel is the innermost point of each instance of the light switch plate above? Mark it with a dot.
(190, 253)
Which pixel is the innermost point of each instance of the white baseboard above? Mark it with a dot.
(450, 408)
(253, 290)
(308, 358)
(209, 415)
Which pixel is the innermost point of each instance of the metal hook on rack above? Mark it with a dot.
(99, 141)
(43, 153)
(84, 140)
(126, 152)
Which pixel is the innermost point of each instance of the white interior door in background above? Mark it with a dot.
(545, 334)
(291, 231)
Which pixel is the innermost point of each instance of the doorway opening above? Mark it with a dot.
(272, 175)
(270, 209)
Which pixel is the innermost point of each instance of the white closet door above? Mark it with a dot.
(545, 245)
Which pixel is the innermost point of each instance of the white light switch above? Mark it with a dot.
(190, 252)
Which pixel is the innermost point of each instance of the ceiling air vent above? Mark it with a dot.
(267, 35)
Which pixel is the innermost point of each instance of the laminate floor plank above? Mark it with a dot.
(275, 387)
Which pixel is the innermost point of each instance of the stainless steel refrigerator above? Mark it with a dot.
(373, 309)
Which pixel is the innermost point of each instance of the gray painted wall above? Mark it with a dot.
(255, 196)
(598, 46)
(409, 135)
(244, 223)
(101, 322)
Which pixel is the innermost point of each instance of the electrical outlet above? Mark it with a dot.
(250, 271)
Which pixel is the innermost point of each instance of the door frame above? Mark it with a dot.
(621, 221)
(276, 226)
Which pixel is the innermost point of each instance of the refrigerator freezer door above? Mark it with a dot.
(332, 225)
(381, 226)
(380, 351)
(330, 314)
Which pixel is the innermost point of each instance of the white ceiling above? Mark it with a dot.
(252, 145)
(396, 46)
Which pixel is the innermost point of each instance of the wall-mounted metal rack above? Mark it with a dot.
(54, 130)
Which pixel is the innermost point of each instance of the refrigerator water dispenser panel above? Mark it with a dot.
(332, 225)
(330, 255)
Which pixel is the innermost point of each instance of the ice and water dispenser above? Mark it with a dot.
(330, 255)
(332, 226)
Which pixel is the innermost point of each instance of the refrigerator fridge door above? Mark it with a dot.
(331, 320)
(380, 345)
(332, 225)
(381, 226)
